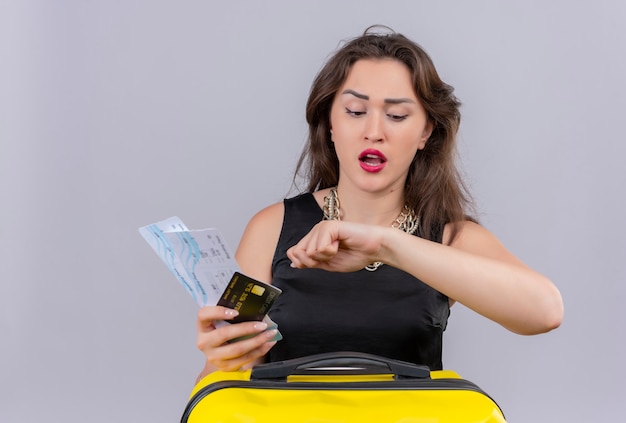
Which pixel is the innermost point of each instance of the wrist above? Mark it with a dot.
(386, 252)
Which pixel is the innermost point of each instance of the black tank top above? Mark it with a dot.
(387, 312)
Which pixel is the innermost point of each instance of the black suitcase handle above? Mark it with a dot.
(350, 363)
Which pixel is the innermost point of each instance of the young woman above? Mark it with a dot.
(372, 256)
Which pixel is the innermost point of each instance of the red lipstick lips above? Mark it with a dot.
(372, 160)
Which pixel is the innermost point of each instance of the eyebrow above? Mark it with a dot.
(387, 100)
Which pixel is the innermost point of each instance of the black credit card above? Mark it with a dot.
(251, 298)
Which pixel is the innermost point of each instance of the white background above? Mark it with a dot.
(116, 114)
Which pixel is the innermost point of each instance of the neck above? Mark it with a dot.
(374, 208)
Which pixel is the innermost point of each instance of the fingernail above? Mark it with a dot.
(231, 313)
(260, 326)
(271, 333)
(293, 266)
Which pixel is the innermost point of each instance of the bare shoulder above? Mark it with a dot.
(258, 243)
(476, 239)
(271, 215)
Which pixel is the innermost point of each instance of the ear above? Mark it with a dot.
(428, 130)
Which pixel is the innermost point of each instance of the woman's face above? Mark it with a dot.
(377, 125)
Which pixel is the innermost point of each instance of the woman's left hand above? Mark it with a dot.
(338, 246)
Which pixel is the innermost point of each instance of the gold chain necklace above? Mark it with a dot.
(406, 220)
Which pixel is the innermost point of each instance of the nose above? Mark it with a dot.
(374, 127)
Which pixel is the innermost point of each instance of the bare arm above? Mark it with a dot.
(254, 256)
(258, 243)
(475, 269)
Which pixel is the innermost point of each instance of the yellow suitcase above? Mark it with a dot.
(342, 387)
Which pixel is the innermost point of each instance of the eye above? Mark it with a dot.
(354, 113)
(397, 118)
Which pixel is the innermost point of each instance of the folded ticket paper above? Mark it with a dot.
(202, 263)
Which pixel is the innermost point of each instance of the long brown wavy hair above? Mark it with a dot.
(433, 188)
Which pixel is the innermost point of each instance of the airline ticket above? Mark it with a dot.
(200, 259)
(206, 268)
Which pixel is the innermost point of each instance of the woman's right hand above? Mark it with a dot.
(224, 356)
